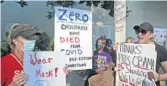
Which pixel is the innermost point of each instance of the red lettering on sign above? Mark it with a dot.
(56, 69)
(69, 39)
(34, 60)
(49, 73)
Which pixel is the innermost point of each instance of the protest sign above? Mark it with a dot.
(73, 36)
(44, 69)
(105, 79)
(120, 20)
(133, 63)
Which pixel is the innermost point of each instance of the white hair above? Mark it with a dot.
(9, 40)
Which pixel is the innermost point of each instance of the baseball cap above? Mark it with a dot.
(144, 26)
(23, 30)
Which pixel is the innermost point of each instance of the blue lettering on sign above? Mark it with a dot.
(61, 16)
(72, 16)
(77, 16)
(85, 16)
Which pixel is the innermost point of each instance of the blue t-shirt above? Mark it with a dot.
(101, 60)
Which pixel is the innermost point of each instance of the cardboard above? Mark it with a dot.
(105, 79)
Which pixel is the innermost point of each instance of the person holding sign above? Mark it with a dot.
(145, 36)
(101, 59)
(130, 40)
(21, 38)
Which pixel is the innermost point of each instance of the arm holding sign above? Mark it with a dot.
(164, 64)
(21, 38)
(162, 55)
(110, 66)
(66, 70)
(163, 76)
(163, 60)
(18, 80)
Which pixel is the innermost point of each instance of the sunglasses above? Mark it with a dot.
(143, 32)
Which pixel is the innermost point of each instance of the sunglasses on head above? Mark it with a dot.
(143, 32)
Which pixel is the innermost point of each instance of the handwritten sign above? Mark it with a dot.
(120, 20)
(73, 36)
(133, 63)
(44, 69)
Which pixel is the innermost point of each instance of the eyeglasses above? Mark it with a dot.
(143, 32)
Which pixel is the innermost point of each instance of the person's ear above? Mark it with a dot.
(14, 41)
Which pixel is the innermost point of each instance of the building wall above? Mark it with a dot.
(146, 11)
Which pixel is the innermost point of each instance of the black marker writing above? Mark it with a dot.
(143, 62)
(132, 49)
(123, 58)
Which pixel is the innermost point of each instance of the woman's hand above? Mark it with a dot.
(19, 80)
(153, 75)
(66, 71)
(110, 66)
(99, 71)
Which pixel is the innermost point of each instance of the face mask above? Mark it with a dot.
(99, 46)
(29, 45)
(109, 45)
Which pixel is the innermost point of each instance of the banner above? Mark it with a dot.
(160, 35)
(120, 20)
(73, 36)
(133, 63)
(44, 69)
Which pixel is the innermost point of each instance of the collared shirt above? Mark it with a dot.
(10, 66)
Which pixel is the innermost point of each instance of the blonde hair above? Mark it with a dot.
(9, 40)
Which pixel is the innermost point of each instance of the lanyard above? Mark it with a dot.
(18, 61)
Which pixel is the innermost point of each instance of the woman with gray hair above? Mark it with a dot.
(130, 40)
(21, 38)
